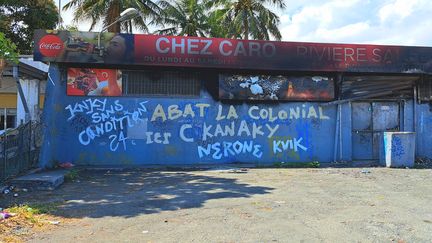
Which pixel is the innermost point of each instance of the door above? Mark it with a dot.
(369, 120)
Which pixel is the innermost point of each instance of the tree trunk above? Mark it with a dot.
(113, 14)
(246, 26)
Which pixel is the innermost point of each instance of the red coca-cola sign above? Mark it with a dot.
(50, 45)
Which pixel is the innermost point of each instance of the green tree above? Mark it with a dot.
(19, 19)
(8, 49)
(249, 18)
(184, 17)
(108, 11)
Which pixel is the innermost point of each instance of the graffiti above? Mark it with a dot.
(86, 106)
(397, 147)
(266, 87)
(157, 137)
(80, 122)
(290, 144)
(174, 112)
(227, 149)
(244, 129)
(216, 132)
(302, 112)
(110, 120)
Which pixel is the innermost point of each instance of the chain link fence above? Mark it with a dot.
(19, 149)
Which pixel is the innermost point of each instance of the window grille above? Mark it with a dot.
(170, 83)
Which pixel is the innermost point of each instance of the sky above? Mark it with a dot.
(386, 22)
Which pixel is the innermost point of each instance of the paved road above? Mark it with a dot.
(262, 205)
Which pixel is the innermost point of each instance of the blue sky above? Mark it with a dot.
(389, 22)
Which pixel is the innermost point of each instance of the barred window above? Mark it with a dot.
(173, 83)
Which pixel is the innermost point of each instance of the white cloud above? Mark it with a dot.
(395, 22)
(397, 10)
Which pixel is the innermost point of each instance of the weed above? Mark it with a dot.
(72, 175)
(30, 212)
(45, 208)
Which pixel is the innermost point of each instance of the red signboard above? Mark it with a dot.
(50, 45)
(128, 49)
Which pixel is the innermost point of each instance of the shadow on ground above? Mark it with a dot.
(129, 193)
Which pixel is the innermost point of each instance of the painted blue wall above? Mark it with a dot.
(148, 130)
(168, 131)
(424, 130)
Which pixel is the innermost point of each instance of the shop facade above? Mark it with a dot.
(137, 100)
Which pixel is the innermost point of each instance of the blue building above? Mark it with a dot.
(161, 100)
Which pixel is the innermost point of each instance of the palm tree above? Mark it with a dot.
(109, 10)
(249, 18)
(184, 17)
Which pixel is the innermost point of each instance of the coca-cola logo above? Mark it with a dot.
(50, 45)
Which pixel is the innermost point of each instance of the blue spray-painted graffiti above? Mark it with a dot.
(106, 120)
(397, 147)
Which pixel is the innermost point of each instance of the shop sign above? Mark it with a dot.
(182, 51)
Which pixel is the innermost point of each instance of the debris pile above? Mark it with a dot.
(12, 190)
(20, 222)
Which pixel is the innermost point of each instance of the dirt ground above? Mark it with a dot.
(260, 205)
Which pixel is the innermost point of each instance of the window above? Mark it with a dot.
(8, 119)
(424, 90)
(171, 83)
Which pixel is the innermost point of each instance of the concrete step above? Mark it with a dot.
(47, 180)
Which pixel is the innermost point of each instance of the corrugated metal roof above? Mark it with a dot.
(27, 68)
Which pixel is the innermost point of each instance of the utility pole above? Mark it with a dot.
(59, 25)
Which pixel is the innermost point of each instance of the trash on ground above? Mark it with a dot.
(66, 165)
(145, 231)
(242, 170)
(365, 171)
(15, 195)
(6, 215)
(54, 222)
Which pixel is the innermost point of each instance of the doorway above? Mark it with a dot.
(369, 120)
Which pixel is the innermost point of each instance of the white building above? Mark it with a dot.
(32, 76)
